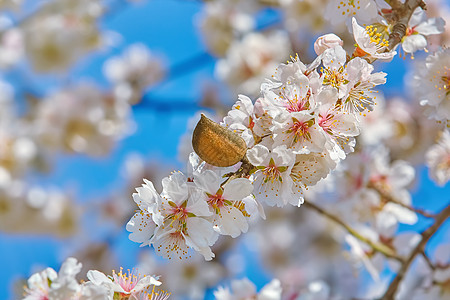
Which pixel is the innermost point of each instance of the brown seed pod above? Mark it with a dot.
(217, 145)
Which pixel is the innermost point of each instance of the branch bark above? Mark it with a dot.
(386, 251)
(426, 235)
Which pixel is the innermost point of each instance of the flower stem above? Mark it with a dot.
(388, 252)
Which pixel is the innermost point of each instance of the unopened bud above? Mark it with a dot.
(327, 41)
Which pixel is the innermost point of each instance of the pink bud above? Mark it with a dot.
(327, 41)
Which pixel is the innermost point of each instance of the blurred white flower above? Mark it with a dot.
(438, 159)
(252, 59)
(133, 72)
(432, 85)
(222, 21)
(61, 33)
(81, 119)
(244, 289)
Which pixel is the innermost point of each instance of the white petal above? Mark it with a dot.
(237, 189)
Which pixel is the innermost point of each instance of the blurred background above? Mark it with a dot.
(97, 95)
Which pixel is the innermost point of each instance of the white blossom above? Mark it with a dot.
(244, 289)
(371, 43)
(271, 181)
(252, 59)
(438, 159)
(226, 202)
(123, 283)
(433, 79)
(338, 11)
(418, 28)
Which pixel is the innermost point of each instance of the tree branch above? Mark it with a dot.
(386, 251)
(426, 235)
(401, 16)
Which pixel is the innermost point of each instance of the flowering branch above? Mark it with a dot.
(375, 246)
(426, 235)
(401, 15)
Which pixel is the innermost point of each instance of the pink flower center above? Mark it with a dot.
(296, 104)
(327, 123)
(216, 201)
(410, 31)
(179, 213)
(127, 280)
(300, 130)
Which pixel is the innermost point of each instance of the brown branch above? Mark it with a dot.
(427, 260)
(386, 251)
(426, 235)
(401, 16)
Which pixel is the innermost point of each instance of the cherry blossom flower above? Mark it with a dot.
(62, 285)
(252, 59)
(293, 94)
(65, 285)
(133, 72)
(371, 43)
(221, 21)
(299, 131)
(433, 78)
(38, 284)
(358, 92)
(183, 208)
(54, 41)
(333, 72)
(124, 284)
(438, 159)
(226, 202)
(418, 28)
(241, 119)
(244, 289)
(309, 169)
(271, 181)
(340, 125)
(81, 119)
(338, 11)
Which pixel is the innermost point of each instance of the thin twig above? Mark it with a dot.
(426, 235)
(427, 259)
(388, 252)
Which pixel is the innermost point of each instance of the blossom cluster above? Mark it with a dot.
(304, 123)
(62, 285)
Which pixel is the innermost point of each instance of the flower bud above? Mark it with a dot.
(327, 41)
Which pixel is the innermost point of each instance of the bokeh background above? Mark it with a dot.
(155, 142)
